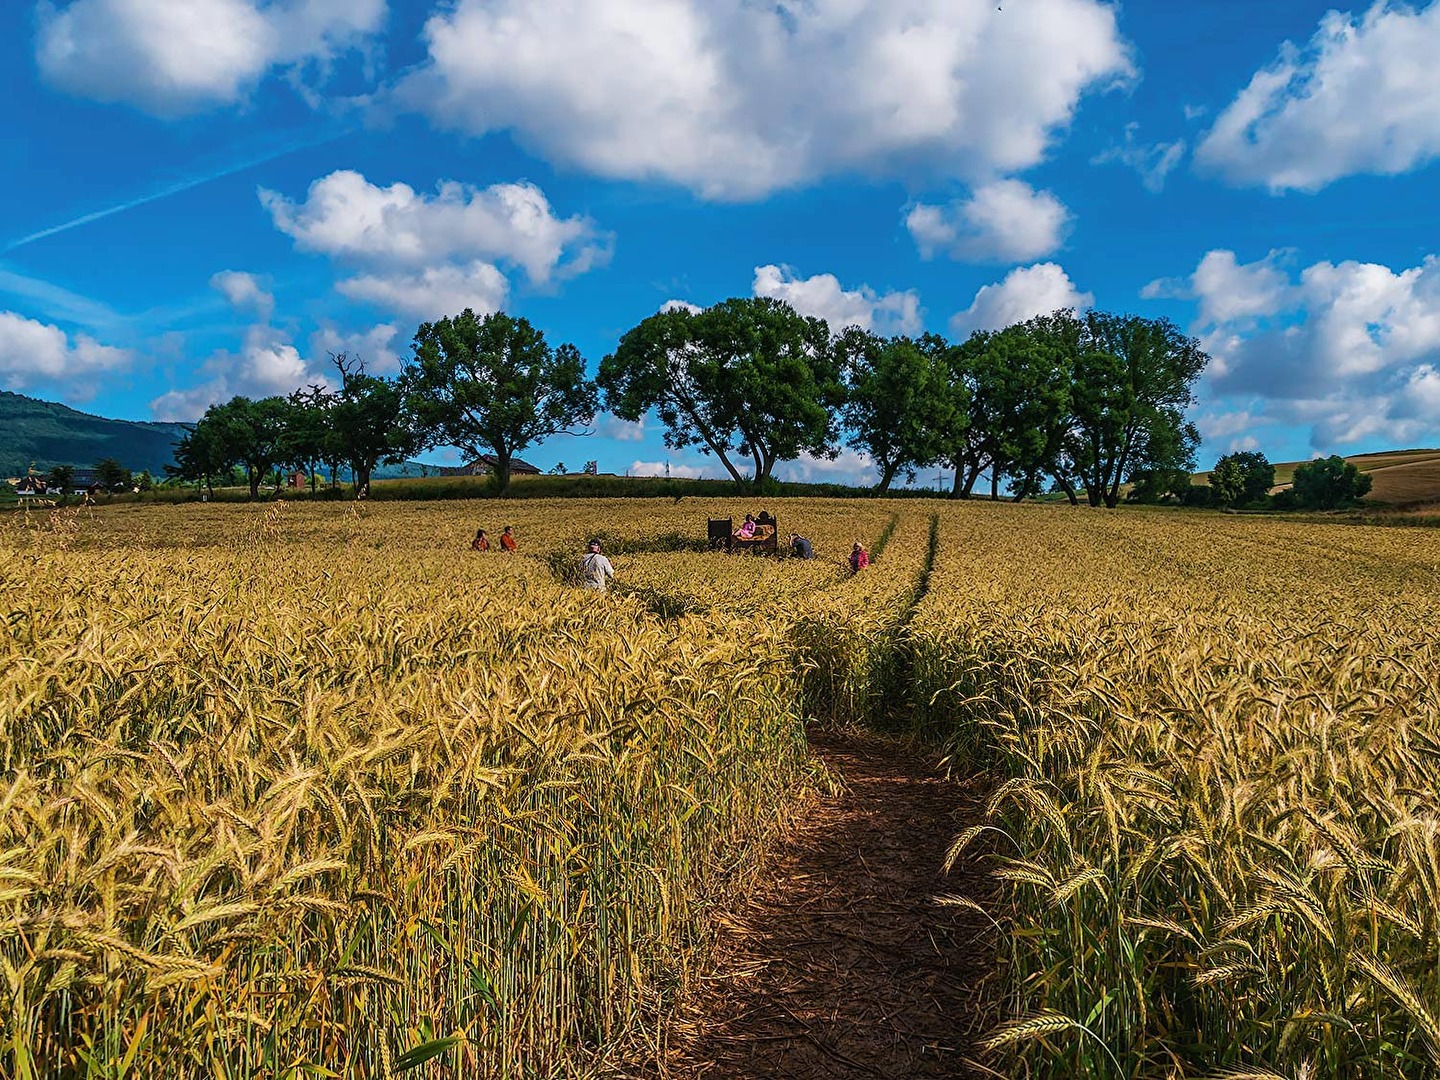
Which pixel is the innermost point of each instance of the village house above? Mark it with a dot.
(485, 465)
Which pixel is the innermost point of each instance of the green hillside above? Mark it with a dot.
(51, 434)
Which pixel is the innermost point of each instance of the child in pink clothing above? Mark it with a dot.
(859, 558)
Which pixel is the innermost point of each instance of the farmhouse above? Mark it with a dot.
(485, 464)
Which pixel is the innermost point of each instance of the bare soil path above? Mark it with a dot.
(841, 964)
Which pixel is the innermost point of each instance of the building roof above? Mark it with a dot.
(516, 465)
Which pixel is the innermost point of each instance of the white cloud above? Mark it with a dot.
(243, 290)
(736, 99)
(1349, 349)
(347, 217)
(433, 292)
(680, 305)
(172, 57)
(1226, 425)
(1153, 161)
(849, 467)
(1230, 292)
(1026, 291)
(433, 255)
(33, 352)
(1007, 221)
(822, 297)
(1363, 97)
(671, 469)
(267, 364)
(375, 346)
(612, 427)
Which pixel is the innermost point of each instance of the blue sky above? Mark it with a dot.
(202, 197)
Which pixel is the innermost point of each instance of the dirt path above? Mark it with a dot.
(842, 964)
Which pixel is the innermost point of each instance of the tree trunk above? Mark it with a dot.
(502, 471)
(994, 484)
(1069, 489)
(362, 479)
(887, 476)
(253, 476)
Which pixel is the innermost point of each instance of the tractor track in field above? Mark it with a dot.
(841, 963)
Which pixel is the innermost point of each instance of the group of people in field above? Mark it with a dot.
(507, 540)
(800, 546)
(595, 568)
(596, 571)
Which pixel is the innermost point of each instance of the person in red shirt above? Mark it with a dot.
(859, 558)
(481, 541)
(507, 539)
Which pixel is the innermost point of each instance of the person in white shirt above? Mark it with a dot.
(596, 568)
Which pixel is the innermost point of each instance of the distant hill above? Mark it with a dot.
(48, 434)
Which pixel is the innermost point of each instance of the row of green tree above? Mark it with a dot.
(1082, 403)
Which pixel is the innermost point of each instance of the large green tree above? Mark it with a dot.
(368, 421)
(494, 385)
(204, 454)
(745, 378)
(1133, 381)
(1241, 478)
(252, 433)
(970, 420)
(1029, 371)
(63, 478)
(112, 476)
(1328, 483)
(897, 400)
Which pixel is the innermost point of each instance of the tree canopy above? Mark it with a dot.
(746, 378)
(494, 384)
(1241, 479)
(1329, 483)
(897, 399)
(1133, 382)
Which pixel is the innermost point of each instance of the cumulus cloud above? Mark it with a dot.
(823, 297)
(680, 305)
(32, 352)
(243, 290)
(172, 57)
(1007, 221)
(670, 468)
(266, 364)
(1350, 349)
(1152, 161)
(848, 467)
(375, 346)
(431, 255)
(1362, 97)
(433, 292)
(347, 217)
(1025, 292)
(734, 99)
(1233, 430)
(1229, 292)
(612, 427)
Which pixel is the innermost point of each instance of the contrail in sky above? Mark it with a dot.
(173, 189)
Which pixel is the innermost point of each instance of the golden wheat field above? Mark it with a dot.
(314, 790)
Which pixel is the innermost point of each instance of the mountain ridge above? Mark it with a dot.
(48, 433)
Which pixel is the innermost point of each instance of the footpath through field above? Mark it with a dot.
(841, 963)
